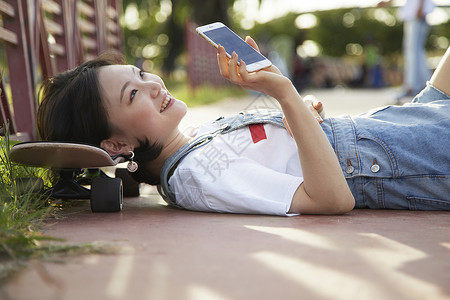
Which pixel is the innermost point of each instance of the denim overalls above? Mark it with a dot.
(395, 157)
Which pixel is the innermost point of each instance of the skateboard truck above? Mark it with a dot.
(68, 188)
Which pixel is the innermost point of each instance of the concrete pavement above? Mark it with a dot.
(166, 253)
(337, 101)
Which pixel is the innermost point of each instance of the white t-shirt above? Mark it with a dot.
(253, 170)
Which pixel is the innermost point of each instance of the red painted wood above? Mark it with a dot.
(22, 90)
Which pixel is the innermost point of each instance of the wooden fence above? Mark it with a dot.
(43, 37)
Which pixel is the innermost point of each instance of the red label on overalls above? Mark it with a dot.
(258, 132)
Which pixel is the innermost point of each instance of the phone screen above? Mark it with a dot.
(231, 42)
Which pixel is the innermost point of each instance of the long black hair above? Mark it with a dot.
(72, 110)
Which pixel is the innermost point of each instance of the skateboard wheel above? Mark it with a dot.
(130, 186)
(106, 194)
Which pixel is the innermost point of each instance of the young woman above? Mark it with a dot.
(395, 157)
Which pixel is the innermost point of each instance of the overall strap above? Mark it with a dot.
(169, 165)
(227, 125)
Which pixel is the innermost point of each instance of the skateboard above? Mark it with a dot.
(68, 160)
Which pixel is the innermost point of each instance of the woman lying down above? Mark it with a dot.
(276, 162)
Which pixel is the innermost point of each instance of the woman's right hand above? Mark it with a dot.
(269, 81)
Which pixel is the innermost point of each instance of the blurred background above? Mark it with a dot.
(318, 44)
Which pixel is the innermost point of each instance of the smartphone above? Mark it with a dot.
(219, 34)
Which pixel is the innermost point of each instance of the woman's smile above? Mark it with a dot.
(167, 102)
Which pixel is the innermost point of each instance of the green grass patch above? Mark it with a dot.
(22, 212)
(204, 94)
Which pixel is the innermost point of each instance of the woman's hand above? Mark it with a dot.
(316, 108)
(269, 81)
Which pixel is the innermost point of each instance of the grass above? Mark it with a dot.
(22, 212)
(204, 94)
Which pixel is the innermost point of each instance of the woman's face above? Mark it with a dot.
(139, 105)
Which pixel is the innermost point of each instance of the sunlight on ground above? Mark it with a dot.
(196, 292)
(158, 282)
(379, 258)
(389, 259)
(307, 274)
(393, 253)
(120, 276)
(446, 245)
(298, 236)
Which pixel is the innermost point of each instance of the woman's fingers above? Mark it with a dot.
(319, 107)
(315, 106)
(243, 71)
(252, 43)
(233, 69)
(238, 72)
(222, 60)
(228, 66)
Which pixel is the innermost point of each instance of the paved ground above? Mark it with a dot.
(336, 101)
(167, 253)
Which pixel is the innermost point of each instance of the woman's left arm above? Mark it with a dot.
(324, 190)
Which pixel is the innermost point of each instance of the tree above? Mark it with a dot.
(202, 12)
(155, 33)
(154, 21)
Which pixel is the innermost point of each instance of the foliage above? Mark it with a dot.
(159, 26)
(331, 33)
(20, 204)
(22, 211)
(202, 94)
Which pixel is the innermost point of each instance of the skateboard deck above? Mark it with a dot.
(60, 155)
(66, 158)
